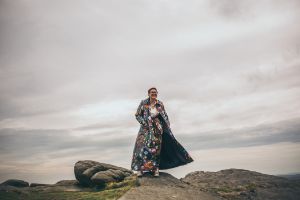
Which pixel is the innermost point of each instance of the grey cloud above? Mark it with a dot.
(20, 143)
(57, 56)
(117, 125)
(241, 10)
(231, 8)
(278, 79)
(264, 134)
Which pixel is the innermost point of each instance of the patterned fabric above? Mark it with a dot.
(153, 112)
(156, 146)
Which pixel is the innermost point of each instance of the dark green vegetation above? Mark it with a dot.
(111, 191)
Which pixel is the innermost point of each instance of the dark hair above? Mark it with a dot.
(151, 89)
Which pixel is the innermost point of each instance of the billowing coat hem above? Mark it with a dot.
(172, 154)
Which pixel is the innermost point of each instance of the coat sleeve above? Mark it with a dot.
(139, 114)
(167, 117)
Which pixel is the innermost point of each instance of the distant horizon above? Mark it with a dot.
(295, 173)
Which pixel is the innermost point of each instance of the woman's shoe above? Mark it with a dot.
(139, 173)
(156, 173)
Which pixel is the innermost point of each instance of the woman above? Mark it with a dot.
(155, 146)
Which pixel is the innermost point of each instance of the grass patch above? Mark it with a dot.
(102, 195)
(251, 186)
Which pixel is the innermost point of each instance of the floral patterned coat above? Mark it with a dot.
(173, 154)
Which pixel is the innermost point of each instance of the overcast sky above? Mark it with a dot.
(73, 73)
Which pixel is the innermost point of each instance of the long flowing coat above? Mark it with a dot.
(172, 154)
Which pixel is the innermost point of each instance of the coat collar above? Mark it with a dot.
(147, 101)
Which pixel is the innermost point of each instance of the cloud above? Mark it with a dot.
(33, 149)
(263, 134)
(245, 10)
(19, 144)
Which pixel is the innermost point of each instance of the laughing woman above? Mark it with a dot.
(155, 146)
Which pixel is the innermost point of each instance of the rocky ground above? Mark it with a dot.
(94, 181)
(244, 184)
(164, 187)
(225, 184)
(66, 189)
(99, 181)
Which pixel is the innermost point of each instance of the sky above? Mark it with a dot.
(73, 73)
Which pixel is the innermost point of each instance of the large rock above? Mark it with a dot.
(91, 173)
(244, 184)
(15, 183)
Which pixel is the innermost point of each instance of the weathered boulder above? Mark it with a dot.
(243, 184)
(91, 173)
(15, 183)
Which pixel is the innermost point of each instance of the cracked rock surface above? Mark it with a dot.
(164, 187)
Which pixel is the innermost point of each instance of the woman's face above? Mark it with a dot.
(153, 94)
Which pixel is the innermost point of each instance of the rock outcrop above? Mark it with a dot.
(244, 184)
(15, 183)
(91, 173)
(92, 176)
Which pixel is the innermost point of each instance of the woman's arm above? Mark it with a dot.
(139, 114)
